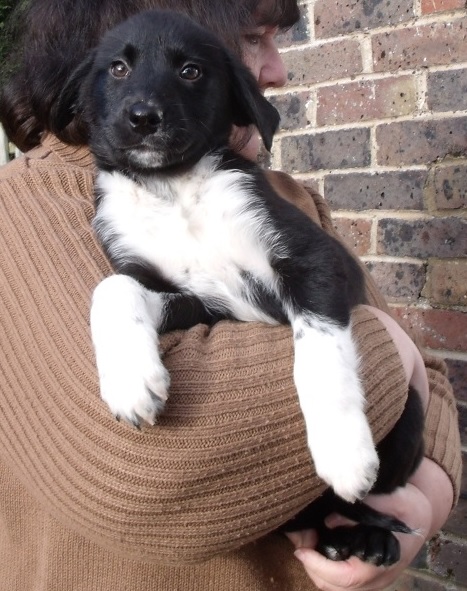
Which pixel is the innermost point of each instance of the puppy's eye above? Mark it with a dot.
(119, 69)
(190, 72)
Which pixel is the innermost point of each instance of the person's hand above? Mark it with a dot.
(353, 573)
(423, 504)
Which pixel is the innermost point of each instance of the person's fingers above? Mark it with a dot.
(335, 575)
(306, 538)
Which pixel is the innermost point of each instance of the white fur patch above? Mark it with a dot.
(332, 402)
(197, 229)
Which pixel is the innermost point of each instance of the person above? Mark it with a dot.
(192, 503)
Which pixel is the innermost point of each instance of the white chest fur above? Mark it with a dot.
(199, 230)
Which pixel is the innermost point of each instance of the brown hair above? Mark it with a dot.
(55, 35)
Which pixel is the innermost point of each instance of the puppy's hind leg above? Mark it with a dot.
(125, 319)
(332, 402)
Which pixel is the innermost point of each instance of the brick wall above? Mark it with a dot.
(375, 118)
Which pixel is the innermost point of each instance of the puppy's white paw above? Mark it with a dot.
(133, 380)
(135, 386)
(346, 458)
(332, 401)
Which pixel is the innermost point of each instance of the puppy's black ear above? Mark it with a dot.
(249, 105)
(67, 104)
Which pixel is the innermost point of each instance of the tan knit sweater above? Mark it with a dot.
(90, 504)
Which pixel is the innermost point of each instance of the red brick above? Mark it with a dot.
(463, 423)
(447, 283)
(293, 109)
(447, 91)
(382, 190)
(345, 148)
(355, 233)
(447, 186)
(312, 184)
(297, 34)
(457, 523)
(398, 282)
(322, 62)
(421, 141)
(366, 100)
(438, 329)
(342, 17)
(436, 44)
(450, 561)
(431, 6)
(410, 582)
(458, 377)
(444, 237)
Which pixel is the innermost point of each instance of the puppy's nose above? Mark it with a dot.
(144, 117)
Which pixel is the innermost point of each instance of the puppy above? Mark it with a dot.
(196, 234)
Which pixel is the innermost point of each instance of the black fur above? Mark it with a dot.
(196, 119)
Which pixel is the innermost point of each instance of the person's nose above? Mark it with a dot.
(273, 73)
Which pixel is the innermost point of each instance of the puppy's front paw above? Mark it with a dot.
(133, 396)
(133, 380)
(347, 460)
(369, 543)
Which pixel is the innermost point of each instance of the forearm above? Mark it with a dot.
(433, 482)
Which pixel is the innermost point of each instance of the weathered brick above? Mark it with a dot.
(344, 148)
(324, 61)
(433, 237)
(387, 190)
(464, 475)
(458, 377)
(410, 582)
(312, 184)
(438, 329)
(355, 233)
(431, 6)
(436, 44)
(299, 33)
(457, 523)
(293, 109)
(450, 561)
(421, 142)
(343, 17)
(366, 100)
(398, 281)
(447, 186)
(463, 423)
(447, 91)
(447, 283)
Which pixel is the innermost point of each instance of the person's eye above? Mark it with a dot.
(119, 69)
(190, 72)
(252, 39)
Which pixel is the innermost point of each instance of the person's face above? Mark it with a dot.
(261, 55)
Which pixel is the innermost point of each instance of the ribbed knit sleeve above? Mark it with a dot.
(226, 463)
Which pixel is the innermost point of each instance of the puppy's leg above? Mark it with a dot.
(332, 402)
(125, 318)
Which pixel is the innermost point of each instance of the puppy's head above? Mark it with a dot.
(159, 92)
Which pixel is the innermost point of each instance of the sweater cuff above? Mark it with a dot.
(442, 436)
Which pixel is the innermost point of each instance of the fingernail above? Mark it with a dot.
(299, 554)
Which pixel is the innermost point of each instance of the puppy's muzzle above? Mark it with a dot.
(144, 117)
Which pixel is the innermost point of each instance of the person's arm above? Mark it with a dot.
(226, 464)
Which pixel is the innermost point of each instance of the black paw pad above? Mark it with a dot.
(371, 544)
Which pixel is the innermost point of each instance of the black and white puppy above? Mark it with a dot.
(196, 234)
